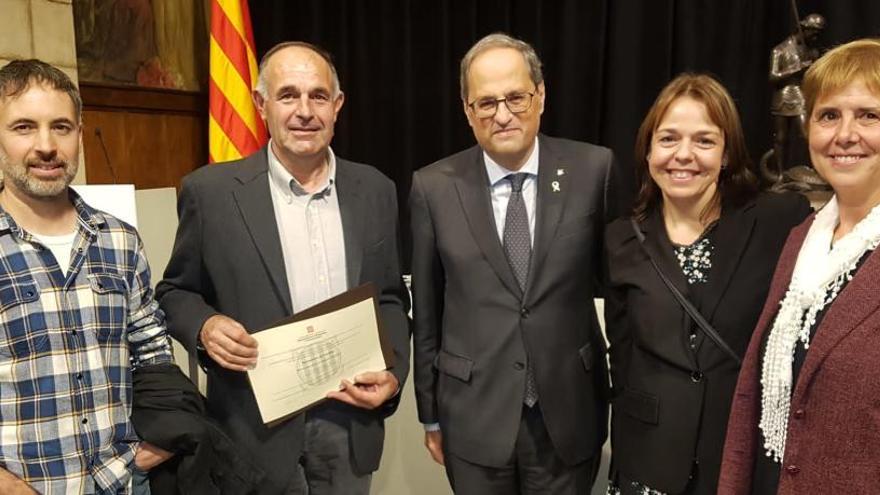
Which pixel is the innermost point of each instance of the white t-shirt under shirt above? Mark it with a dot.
(60, 245)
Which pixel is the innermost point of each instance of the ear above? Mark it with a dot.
(259, 103)
(468, 112)
(337, 104)
(539, 95)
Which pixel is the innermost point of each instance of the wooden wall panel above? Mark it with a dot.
(152, 137)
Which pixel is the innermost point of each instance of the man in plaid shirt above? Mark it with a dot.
(77, 313)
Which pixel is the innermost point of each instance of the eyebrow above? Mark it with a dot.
(698, 133)
(291, 88)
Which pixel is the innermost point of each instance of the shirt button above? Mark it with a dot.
(696, 376)
(84, 421)
(793, 470)
(29, 293)
(518, 366)
(799, 414)
(79, 376)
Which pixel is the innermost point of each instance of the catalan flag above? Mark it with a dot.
(235, 129)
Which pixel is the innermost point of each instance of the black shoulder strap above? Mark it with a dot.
(688, 307)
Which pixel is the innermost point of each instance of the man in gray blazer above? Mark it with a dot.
(510, 370)
(270, 235)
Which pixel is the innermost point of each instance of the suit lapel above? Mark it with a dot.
(551, 194)
(254, 200)
(352, 211)
(473, 191)
(658, 244)
(730, 240)
(860, 301)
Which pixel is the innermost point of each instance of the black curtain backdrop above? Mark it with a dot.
(604, 62)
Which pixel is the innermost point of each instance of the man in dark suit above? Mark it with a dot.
(509, 360)
(270, 235)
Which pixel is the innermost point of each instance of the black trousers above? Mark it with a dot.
(533, 469)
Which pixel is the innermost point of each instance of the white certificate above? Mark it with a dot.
(300, 362)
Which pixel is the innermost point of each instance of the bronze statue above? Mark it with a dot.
(788, 62)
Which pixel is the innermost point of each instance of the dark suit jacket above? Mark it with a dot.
(670, 403)
(475, 329)
(834, 427)
(227, 259)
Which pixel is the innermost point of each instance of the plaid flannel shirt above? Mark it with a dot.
(68, 345)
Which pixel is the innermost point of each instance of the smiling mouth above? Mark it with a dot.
(682, 175)
(47, 167)
(846, 159)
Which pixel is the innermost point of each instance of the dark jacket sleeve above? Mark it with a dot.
(427, 286)
(180, 293)
(394, 299)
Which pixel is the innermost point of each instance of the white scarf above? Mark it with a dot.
(820, 273)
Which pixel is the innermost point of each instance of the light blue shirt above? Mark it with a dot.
(499, 190)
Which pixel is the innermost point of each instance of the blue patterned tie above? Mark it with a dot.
(518, 247)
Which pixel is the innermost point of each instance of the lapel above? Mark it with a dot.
(353, 213)
(858, 301)
(731, 238)
(552, 190)
(658, 244)
(254, 201)
(472, 184)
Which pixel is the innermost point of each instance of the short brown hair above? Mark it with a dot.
(856, 60)
(736, 183)
(17, 76)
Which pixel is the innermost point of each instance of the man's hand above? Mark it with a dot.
(369, 390)
(434, 443)
(149, 456)
(13, 485)
(228, 343)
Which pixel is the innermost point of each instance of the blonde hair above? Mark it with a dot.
(856, 60)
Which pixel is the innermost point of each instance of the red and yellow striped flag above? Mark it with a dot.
(235, 129)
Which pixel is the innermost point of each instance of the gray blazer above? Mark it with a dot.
(474, 327)
(227, 259)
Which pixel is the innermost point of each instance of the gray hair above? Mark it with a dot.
(263, 87)
(500, 40)
(18, 76)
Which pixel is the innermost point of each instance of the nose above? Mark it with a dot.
(684, 153)
(304, 109)
(503, 116)
(847, 132)
(45, 146)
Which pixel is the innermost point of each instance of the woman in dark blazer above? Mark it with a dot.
(806, 414)
(717, 240)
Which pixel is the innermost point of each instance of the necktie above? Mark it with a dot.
(517, 239)
(518, 247)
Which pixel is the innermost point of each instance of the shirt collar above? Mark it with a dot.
(287, 183)
(90, 218)
(496, 172)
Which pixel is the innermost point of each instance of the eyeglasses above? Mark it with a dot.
(488, 107)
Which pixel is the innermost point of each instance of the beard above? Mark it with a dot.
(19, 175)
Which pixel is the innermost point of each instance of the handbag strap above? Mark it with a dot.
(689, 308)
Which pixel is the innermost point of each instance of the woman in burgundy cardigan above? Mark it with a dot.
(806, 412)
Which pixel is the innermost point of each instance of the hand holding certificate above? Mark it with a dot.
(305, 358)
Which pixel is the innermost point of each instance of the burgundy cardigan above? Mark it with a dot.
(833, 441)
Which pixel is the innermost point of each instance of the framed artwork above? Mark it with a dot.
(149, 43)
